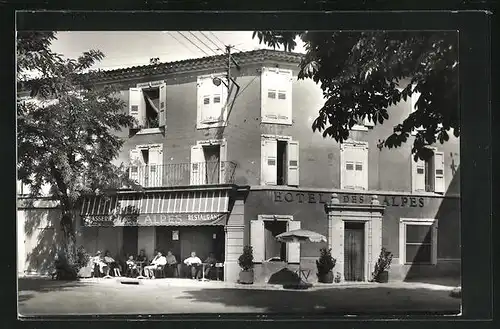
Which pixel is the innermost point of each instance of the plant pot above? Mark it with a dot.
(383, 277)
(325, 277)
(246, 277)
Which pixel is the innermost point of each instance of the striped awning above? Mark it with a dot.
(157, 209)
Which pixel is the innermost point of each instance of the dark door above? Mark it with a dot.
(354, 249)
(130, 240)
(165, 242)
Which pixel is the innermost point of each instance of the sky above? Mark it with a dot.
(131, 48)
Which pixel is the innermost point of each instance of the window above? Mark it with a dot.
(209, 163)
(263, 232)
(428, 174)
(212, 99)
(354, 164)
(146, 165)
(147, 104)
(276, 99)
(418, 241)
(280, 161)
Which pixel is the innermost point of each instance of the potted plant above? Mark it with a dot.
(325, 264)
(380, 273)
(246, 263)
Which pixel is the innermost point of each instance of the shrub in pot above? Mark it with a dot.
(246, 263)
(380, 272)
(325, 264)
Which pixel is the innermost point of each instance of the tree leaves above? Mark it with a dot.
(362, 74)
(66, 129)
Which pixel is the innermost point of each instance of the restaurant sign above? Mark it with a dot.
(155, 220)
(385, 200)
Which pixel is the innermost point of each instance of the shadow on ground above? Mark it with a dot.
(26, 286)
(355, 301)
(442, 281)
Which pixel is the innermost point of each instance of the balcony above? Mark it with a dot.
(184, 174)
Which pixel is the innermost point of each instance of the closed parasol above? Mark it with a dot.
(300, 236)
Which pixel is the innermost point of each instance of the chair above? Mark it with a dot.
(219, 267)
(116, 272)
(161, 270)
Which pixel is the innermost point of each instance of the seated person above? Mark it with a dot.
(210, 261)
(100, 267)
(110, 261)
(131, 267)
(193, 265)
(156, 263)
(171, 264)
(141, 261)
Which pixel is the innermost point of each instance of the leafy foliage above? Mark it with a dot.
(383, 263)
(246, 259)
(326, 262)
(363, 73)
(65, 127)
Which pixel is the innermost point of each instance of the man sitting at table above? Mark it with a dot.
(110, 261)
(132, 267)
(193, 265)
(171, 264)
(156, 263)
(210, 261)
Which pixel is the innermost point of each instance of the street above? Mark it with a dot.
(46, 297)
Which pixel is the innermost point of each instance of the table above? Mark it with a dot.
(203, 271)
(140, 268)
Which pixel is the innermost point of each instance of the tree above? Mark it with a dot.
(65, 128)
(363, 73)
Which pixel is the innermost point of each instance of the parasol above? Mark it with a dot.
(300, 236)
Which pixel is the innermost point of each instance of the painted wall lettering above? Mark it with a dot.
(389, 201)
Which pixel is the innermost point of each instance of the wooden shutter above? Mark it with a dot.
(135, 164)
(362, 159)
(155, 166)
(439, 184)
(197, 165)
(269, 158)
(285, 105)
(224, 169)
(293, 163)
(293, 248)
(418, 174)
(354, 171)
(205, 99)
(268, 85)
(257, 240)
(162, 116)
(137, 105)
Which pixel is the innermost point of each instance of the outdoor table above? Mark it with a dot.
(140, 268)
(203, 271)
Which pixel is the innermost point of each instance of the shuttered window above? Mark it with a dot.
(354, 164)
(276, 95)
(428, 175)
(212, 99)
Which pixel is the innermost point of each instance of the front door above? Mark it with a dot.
(354, 248)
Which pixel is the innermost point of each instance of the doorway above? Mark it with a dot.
(354, 251)
(212, 160)
(130, 241)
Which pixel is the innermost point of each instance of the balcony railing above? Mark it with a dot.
(183, 174)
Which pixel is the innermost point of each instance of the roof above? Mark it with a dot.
(198, 64)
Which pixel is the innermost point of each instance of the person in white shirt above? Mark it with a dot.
(193, 263)
(156, 263)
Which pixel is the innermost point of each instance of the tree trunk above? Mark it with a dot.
(69, 237)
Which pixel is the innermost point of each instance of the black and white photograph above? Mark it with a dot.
(243, 172)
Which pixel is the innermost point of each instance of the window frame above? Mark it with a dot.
(283, 218)
(264, 160)
(433, 224)
(343, 163)
(202, 95)
(268, 87)
(148, 86)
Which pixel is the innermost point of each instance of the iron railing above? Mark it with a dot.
(184, 174)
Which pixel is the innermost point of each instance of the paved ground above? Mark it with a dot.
(174, 296)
